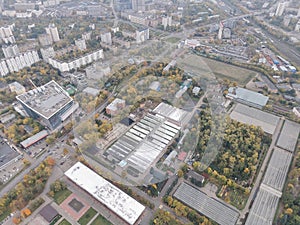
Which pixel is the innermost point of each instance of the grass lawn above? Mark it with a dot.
(208, 68)
(86, 218)
(64, 222)
(60, 196)
(173, 40)
(4, 215)
(100, 220)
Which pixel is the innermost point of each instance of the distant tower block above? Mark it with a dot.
(297, 27)
(221, 27)
(298, 14)
(280, 8)
(53, 32)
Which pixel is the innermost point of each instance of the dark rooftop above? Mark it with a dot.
(48, 213)
(196, 176)
(127, 121)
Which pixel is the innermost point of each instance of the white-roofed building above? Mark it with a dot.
(174, 114)
(109, 195)
(49, 103)
(247, 97)
(115, 106)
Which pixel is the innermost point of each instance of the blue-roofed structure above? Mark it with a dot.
(247, 97)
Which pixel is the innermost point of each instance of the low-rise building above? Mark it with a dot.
(115, 106)
(17, 87)
(296, 111)
(80, 44)
(247, 97)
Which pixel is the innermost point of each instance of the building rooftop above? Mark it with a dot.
(113, 106)
(196, 176)
(48, 213)
(182, 156)
(143, 143)
(278, 168)
(171, 112)
(210, 207)
(256, 117)
(288, 136)
(35, 138)
(91, 91)
(263, 209)
(155, 85)
(46, 100)
(7, 153)
(109, 195)
(247, 96)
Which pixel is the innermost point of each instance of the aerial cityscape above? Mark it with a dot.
(147, 112)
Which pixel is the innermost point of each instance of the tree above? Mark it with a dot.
(289, 211)
(50, 139)
(16, 220)
(66, 151)
(50, 161)
(25, 213)
(180, 173)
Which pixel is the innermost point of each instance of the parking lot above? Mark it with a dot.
(10, 160)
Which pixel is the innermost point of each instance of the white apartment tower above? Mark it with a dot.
(138, 5)
(106, 38)
(142, 35)
(280, 8)
(53, 32)
(220, 33)
(166, 21)
(10, 51)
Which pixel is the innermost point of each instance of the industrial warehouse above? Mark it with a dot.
(146, 141)
(266, 202)
(109, 195)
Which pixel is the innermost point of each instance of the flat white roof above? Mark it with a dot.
(109, 195)
(46, 100)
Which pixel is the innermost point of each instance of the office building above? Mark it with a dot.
(49, 103)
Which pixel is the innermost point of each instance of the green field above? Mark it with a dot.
(86, 218)
(173, 40)
(64, 222)
(60, 196)
(208, 68)
(100, 220)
